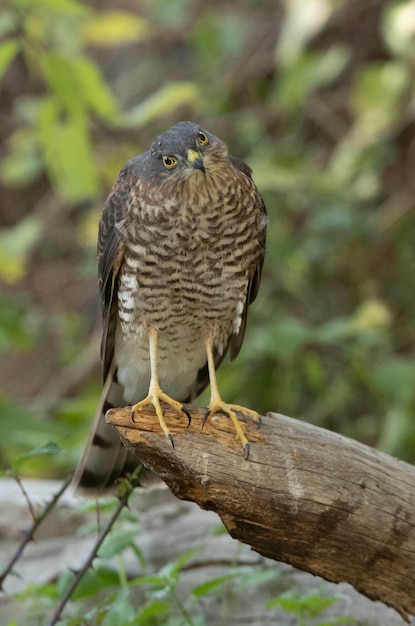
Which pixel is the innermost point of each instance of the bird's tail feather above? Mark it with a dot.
(105, 458)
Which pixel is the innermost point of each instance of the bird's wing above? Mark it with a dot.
(235, 341)
(111, 247)
(105, 458)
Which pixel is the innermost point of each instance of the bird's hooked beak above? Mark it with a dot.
(195, 160)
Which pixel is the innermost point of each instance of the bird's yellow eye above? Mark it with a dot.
(169, 162)
(202, 139)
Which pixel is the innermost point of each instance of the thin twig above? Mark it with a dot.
(29, 534)
(26, 497)
(122, 502)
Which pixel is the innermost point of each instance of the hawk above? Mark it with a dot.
(180, 250)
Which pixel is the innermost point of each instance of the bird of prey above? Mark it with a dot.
(180, 249)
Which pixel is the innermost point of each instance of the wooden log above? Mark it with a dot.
(309, 497)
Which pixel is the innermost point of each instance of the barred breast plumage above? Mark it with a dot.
(181, 246)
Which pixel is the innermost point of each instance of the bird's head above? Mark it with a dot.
(186, 150)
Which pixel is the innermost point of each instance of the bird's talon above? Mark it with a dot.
(247, 449)
(170, 438)
(187, 413)
(205, 417)
(259, 422)
(132, 415)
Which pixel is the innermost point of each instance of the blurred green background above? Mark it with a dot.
(318, 96)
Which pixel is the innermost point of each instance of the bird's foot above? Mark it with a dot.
(219, 406)
(155, 396)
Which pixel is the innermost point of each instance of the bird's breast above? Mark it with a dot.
(187, 266)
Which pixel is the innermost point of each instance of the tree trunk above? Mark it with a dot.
(306, 496)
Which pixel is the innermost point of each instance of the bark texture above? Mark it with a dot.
(306, 496)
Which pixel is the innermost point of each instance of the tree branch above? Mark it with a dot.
(307, 496)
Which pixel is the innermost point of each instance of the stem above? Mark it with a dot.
(29, 534)
(181, 607)
(122, 502)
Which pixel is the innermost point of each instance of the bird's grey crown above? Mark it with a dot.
(180, 138)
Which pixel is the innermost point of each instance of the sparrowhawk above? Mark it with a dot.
(180, 250)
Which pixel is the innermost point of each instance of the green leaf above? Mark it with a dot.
(218, 37)
(68, 154)
(47, 120)
(394, 379)
(372, 314)
(112, 28)
(314, 604)
(120, 610)
(310, 71)
(397, 427)
(16, 245)
(288, 601)
(138, 553)
(78, 85)
(256, 576)
(311, 604)
(23, 162)
(93, 581)
(163, 102)
(335, 330)
(49, 448)
(16, 325)
(290, 336)
(23, 430)
(95, 92)
(376, 98)
(171, 570)
(8, 50)
(117, 542)
(214, 585)
(62, 74)
(48, 590)
(64, 7)
(158, 608)
(73, 170)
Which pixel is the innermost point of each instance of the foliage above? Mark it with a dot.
(308, 607)
(105, 595)
(318, 97)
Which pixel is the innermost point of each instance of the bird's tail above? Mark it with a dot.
(105, 458)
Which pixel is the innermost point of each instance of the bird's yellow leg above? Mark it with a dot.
(217, 405)
(155, 393)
